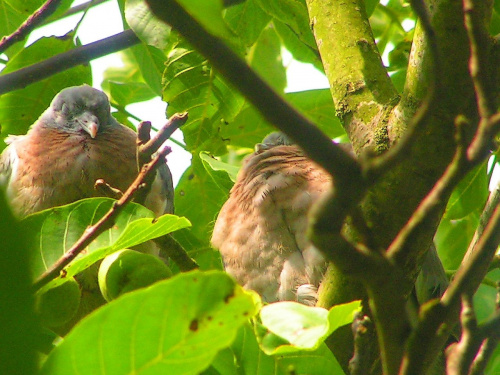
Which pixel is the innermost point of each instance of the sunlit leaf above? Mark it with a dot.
(56, 230)
(173, 327)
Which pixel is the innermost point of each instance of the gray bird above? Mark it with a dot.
(261, 229)
(75, 142)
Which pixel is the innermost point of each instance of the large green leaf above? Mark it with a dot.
(470, 195)
(174, 327)
(209, 14)
(293, 327)
(294, 14)
(191, 85)
(249, 358)
(199, 196)
(19, 109)
(265, 58)
(56, 230)
(249, 127)
(301, 51)
(148, 28)
(247, 20)
(452, 239)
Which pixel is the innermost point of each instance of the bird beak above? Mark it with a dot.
(89, 123)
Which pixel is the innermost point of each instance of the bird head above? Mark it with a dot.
(79, 109)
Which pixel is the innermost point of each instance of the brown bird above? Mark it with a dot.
(75, 142)
(261, 229)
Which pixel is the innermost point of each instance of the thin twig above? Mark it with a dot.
(76, 9)
(66, 60)
(33, 21)
(105, 223)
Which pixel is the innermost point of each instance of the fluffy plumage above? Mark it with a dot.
(261, 229)
(75, 142)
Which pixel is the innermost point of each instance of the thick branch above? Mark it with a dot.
(276, 110)
(66, 60)
(361, 89)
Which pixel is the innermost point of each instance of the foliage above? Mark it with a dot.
(200, 321)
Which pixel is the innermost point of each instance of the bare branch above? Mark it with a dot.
(33, 21)
(66, 60)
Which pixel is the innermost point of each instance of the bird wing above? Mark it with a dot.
(160, 198)
(8, 162)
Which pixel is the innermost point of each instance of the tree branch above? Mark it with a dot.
(64, 61)
(272, 106)
(33, 21)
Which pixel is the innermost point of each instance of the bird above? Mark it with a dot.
(75, 142)
(261, 229)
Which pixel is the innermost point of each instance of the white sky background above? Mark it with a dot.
(104, 20)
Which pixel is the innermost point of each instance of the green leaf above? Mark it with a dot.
(148, 28)
(470, 195)
(20, 331)
(130, 92)
(199, 196)
(293, 326)
(217, 165)
(247, 20)
(301, 51)
(249, 127)
(294, 14)
(191, 85)
(21, 108)
(370, 6)
(485, 298)
(251, 360)
(452, 239)
(151, 62)
(56, 230)
(173, 327)
(265, 58)
(14, 13)
(209, 14)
